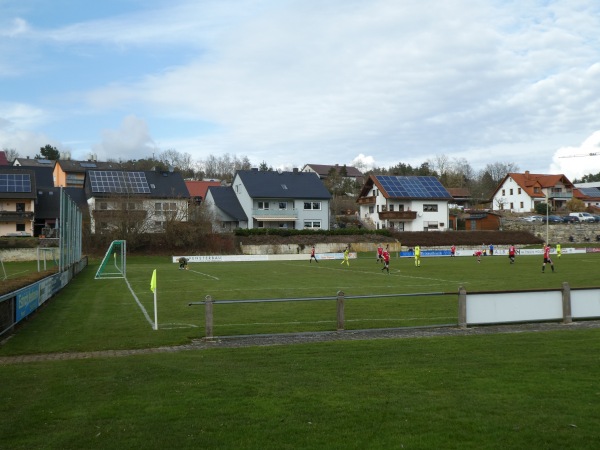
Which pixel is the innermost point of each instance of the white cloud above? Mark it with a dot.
(131, 141)
(575, 162)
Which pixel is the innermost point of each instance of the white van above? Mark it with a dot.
(583, 216)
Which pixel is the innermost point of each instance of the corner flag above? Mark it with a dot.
(153, 281)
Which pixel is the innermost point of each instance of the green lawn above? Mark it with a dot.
(524, 390)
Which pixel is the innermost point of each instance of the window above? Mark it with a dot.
(503, 192)
(519, 191)
(283, 186)
(103, 206)
(371, 209)
(20, 208)
(511, 192)
(282, 205)
(260, 224)
(512, 205)
(312, 224)
(431, 225)
(20, 227)
(391, 207)
(521, 205)
(430, 208)
(263, 205)
(312, 205)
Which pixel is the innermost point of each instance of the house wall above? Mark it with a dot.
(8, 206)
(424, 220)
(518, 201)
(147, 205)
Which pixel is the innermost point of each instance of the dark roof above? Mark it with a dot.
(226, 200)
(70, 165)
(324, 169)
(273, 184)
(44, 176)
(159, 185)
(19, 195)
(48, 201)
(28, 162)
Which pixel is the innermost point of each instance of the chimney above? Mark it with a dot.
(527, 174)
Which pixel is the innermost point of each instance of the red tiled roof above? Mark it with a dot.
(199, 188)
(3, 158)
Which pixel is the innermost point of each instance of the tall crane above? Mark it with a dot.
(581, 154)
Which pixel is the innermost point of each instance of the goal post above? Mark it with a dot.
(114, 263)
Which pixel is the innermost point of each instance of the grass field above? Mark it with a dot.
(525, 390)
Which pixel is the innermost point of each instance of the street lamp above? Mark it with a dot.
(547, 209)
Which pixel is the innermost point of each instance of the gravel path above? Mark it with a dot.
(307, 338)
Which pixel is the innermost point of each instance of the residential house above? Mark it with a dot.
(33, 162)
(145, 200)
(197, 189)
(227, 208)
(71, 173)
(47, 209)
(323, 170)
(461, 198)
(521, 192)
(589, 194)
(404, 203)
(272, 199)
(17, 201)
(3, 159)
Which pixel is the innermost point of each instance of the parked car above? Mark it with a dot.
(570, 219)
(532, 218)
(583, 216)
(596, 217)
(552, 219)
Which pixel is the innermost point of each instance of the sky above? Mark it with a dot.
(292, 82)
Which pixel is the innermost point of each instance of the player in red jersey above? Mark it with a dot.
(379, 253)
(386, 261)
(547, 259)
(511, 253)
(312, 254)
(453, 250)
(478, 253)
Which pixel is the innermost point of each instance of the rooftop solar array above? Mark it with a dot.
(415, 187)
(15, 182)
(116, 182)
(590, 192)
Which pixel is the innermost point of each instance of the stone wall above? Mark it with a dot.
(557, 233)
(28, 254)
(286, 249)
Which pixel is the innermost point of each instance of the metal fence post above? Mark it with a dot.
(340, 311)
(566, 303)
(462, 307)
(208, 317)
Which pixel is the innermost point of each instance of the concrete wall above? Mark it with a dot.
(286, 249)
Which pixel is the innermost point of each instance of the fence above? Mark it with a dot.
(475, 308)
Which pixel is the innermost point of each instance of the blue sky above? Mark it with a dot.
(292, 82)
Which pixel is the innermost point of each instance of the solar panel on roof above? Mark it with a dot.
(15, 182)
(590, 192)
(416, 187)
(88, 165)
(116, 182)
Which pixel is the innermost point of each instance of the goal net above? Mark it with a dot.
(114, 263)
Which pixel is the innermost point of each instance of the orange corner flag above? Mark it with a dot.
(153, 281)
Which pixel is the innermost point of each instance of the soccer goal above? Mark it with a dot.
(114, 264)
(3, 273)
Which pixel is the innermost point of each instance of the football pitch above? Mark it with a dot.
(122, 312)
(520, 390)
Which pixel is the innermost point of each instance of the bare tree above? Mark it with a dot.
(11, 154)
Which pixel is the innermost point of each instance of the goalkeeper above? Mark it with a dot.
(183, 261)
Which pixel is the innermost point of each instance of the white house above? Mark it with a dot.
(404, 203)
(520, 192)
(271, 199)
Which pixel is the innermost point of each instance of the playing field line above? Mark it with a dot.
(139, 304)
(205, 274)
(392, 272)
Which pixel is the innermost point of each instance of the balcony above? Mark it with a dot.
(397, 215)
(366, 200)
(119, 214)
(275, 214)
(14, 216)
(560, 195)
